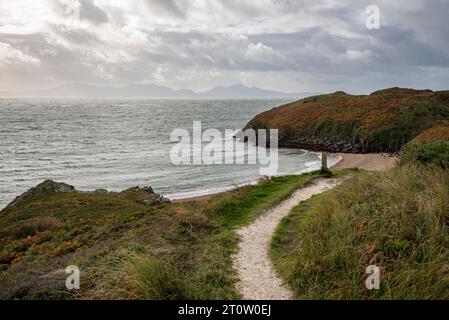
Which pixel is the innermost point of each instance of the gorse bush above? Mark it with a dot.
(431, 153)
(397, 220)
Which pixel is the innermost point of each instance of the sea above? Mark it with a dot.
(117, 144)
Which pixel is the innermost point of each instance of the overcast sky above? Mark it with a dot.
(287, 45)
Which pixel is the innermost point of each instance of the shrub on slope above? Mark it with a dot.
(430, 153)
(440, 131)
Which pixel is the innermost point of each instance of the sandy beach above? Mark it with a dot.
(366, 161)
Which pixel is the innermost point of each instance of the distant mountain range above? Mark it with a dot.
(79, 90)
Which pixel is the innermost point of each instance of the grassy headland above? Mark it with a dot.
(381, 122)
(126, 249)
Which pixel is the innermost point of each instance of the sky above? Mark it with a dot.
(284, 45)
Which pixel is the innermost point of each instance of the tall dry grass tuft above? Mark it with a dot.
(397, 220)
(134, 276)
(153, 279)
(34, 225)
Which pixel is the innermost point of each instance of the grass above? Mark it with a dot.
(397, 220)
(126, 250)
(153, 279)
(235, 213)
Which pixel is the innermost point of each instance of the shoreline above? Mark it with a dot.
(368, 161)
(364, 161)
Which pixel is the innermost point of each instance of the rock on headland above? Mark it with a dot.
(48, 186)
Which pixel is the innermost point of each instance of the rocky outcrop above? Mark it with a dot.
(144, 195)
(101, 191)
(48, 186)
(321, 144)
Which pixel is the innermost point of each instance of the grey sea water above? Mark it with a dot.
(117, 144)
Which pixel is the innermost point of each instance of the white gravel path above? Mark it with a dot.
(258, 278)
